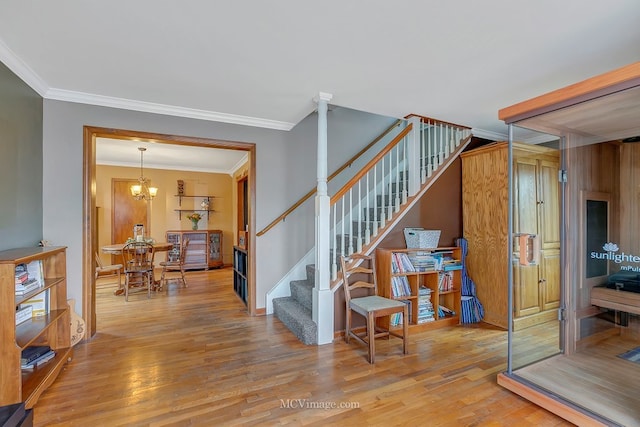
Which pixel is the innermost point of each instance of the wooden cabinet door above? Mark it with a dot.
(196, 256)
(215, 248)
(549, 226)
(549, 205)
(526, 278)
(550, 279)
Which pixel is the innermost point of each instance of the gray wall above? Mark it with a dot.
(285, 170)
(20, 162)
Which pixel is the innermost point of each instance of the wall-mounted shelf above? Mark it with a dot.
(180, 196)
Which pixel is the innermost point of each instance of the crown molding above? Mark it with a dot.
(238, 165)
(169, 110)
(22, 70)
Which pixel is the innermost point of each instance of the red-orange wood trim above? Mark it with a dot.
(618, 79)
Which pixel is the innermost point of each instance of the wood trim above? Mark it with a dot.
(89, 232)
(90, 240)
(370, 165)
(547, 402)
(425, 119)
(347, 164)
(603, 84)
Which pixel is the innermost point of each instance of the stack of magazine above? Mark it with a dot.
(35, 356)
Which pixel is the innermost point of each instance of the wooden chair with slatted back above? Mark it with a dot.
(371, 306)
(107, 270)
(176, 265)
(137, 258)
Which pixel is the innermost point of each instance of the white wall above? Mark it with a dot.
(285, 170)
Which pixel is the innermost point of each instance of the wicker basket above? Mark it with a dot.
(419, 238)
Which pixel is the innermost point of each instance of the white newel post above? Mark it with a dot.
(322, 295)
(413, 156)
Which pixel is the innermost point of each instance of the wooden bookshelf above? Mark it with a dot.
(51, 329)
(240, 273)
(433, 279)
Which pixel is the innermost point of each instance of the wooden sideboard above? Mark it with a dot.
(205, 247)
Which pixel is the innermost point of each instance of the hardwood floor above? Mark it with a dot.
(595, 377)
(192, 356)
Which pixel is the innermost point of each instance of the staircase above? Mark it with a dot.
(295, 311)
(371, 203)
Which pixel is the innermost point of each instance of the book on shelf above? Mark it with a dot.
(21, 277)
(445, 282)
(23, 314)
(39, 360)
(39, 304)
(445, 312)
(395, 319)
(33, 352)
(425, 260)
(28, 286)
(425, 307)
(28, 277)
(36, 270)
(400, 263)
(400, 286)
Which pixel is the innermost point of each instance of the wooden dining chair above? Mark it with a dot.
(174, 265)
(107, 270)
(137, 259)
(370, 306)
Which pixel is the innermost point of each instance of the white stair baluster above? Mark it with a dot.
(405, 187)
(398, 181)
(334, 258)
(391, 195)
(375, 200)
(367, 228)
(440, 146)
(383, 211)
(359, 231)
(350, 221)
(342, 237)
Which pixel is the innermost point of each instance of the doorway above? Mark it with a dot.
(126, 211)
(89, 203)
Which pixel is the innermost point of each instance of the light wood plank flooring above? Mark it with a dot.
(191, 356)
(595, 377)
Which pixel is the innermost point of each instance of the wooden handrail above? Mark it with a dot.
(370, 165)
(333, 175)
(436, 121)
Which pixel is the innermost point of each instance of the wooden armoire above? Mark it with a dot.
(485, 226)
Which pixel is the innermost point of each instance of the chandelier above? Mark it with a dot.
(141, 190)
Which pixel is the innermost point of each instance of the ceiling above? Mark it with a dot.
(261, 63)
(117, 152)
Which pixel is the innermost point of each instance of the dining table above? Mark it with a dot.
(116, 249)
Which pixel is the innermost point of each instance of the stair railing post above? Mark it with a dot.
(412, 156)
(322, 294)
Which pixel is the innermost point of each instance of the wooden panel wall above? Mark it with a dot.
(594, 168)
(630, 197)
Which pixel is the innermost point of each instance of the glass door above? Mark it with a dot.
(535, 279)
